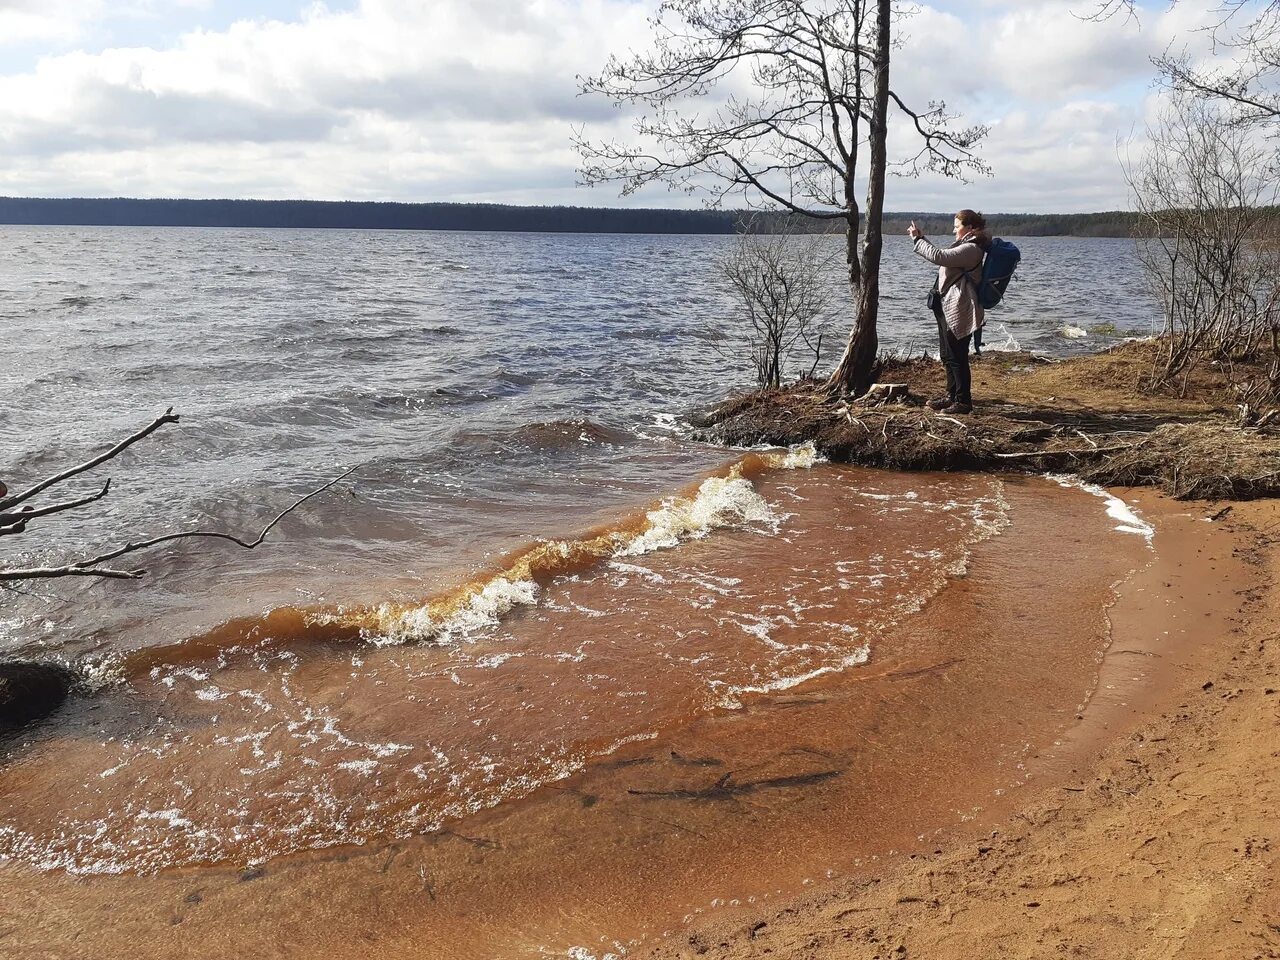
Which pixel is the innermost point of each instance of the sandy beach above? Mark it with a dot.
(926, 806)
(588, 481)
(1160, 843)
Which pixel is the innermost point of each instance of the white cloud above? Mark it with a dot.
(475, 99)
(395, 99)
(51, 22)
(1047, 52)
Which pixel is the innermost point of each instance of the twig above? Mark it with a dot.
(92, 566)
(167, 417)
(1064, 453)
(17, 522)
(1266, 418)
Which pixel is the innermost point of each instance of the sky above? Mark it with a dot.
(476, 100)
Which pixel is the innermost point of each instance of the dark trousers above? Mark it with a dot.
(954, 352)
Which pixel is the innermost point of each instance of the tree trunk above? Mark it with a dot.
(855, 374)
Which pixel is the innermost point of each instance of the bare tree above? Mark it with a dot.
(1245, 38)
(17, 517)
(781, 279)
(771, 101)
(1203, 190)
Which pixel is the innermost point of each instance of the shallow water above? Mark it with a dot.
(955, 708)
(242, 746)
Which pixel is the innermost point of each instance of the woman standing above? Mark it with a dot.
(955, 302)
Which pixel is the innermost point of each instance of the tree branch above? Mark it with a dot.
(92, 567)
(20, 518)
(167, 417)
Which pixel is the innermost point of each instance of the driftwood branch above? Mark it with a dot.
(17, 522)
(1064, 453)
(167, 417)
(93, 566)
(727, 789)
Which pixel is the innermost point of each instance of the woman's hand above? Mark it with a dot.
(914, 232)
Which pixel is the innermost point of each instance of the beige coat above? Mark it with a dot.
(960, 304)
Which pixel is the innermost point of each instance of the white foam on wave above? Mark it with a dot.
(96, 675)
(483, 610)
(719, 502)
(801, 456)
(1127, 519)
(731, 697)
(1010, 344)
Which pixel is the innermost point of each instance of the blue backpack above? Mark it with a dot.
(997, 270)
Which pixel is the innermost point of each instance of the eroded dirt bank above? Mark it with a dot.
(1089, 416)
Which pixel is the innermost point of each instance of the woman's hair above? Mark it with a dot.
(972, 219)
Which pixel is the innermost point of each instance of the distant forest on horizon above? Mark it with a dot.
(381, 215)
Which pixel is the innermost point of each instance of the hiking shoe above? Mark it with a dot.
(939, 403)
(958, 407)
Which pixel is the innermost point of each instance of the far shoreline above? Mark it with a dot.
(502, 218)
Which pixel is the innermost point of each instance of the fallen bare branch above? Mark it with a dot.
(49, 573)
(1087, 439)
(1063, 453)
(167, 417)
(92, 567)
(29, 513)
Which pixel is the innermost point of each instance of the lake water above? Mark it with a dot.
(531, 555)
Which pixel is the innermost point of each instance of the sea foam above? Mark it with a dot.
(1127, 519)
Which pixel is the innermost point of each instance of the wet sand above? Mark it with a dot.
(1155, 836)
(971, 710)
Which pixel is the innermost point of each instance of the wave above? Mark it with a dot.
(1010, 343)
(718, 502)
(1127, 519)
(562, 434)
(513, 378)
(727, 499)
(542, 437)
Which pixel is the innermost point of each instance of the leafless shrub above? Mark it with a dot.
(1204, 191)
(781, 280)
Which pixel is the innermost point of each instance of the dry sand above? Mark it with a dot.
(1164, 845)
